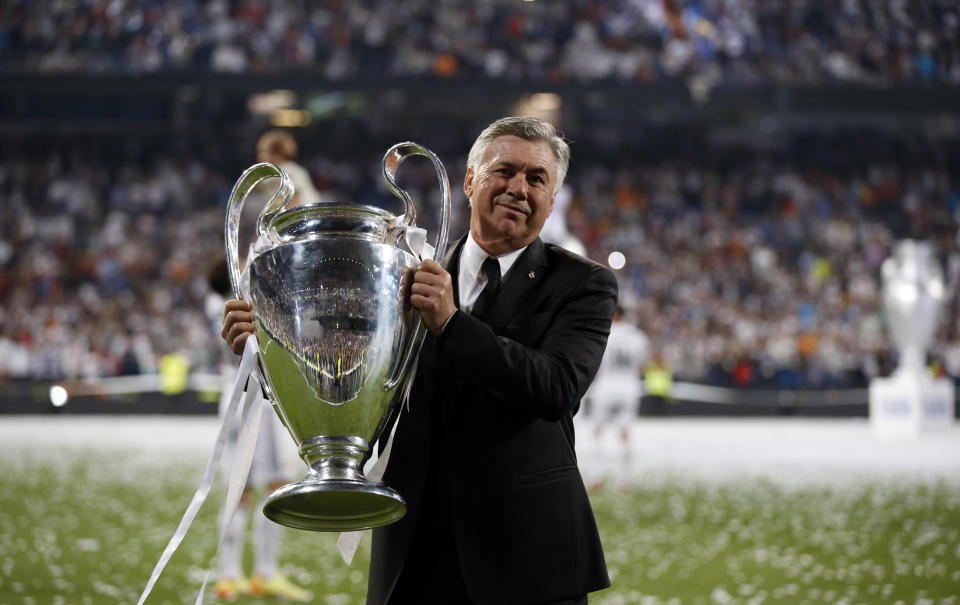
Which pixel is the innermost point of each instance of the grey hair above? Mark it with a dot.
(527, 128)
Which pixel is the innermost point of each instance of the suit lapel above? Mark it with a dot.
(451, 262)
(525, 274)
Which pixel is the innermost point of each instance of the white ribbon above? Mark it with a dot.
(239, 467)
(416, 238)
(228, 427)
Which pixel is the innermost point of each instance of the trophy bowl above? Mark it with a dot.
(337, 339)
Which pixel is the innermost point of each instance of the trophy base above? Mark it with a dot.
(334, 505)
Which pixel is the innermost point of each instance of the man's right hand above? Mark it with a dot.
(237, 324)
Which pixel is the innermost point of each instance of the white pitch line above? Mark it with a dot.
(815, 449)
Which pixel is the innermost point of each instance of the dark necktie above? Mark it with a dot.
(490, 268)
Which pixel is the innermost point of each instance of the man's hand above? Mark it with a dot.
(237, 324)
(432, 295)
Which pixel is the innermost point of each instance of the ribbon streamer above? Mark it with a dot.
(239, 468)
(228, 427)
(416, 238)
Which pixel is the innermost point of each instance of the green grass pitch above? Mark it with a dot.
(89, 528)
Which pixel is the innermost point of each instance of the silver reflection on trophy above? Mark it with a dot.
(337, 339)
(913, 293)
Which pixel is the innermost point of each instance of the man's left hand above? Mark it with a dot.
(432, 295)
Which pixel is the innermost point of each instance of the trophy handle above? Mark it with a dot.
(247, 181)
(391, 161)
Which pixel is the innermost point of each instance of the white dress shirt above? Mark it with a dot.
(470, 279)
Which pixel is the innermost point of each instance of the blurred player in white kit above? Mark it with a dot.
(615, 393)
(266, 473)
(266, 469)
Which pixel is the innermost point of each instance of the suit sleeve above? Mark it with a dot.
(546, 380)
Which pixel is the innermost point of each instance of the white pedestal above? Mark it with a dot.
(910, 403)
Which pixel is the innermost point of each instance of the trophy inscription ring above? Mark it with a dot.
(337, 341)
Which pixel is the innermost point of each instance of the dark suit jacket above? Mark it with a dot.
(491, 417)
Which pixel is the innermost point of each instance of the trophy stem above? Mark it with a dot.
(912, 359)
(334, 457)
(334, 495)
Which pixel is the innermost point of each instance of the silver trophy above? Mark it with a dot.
(913, 293)
(336, 334)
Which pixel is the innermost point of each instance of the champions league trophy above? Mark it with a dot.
(910, 401)
(337, 338)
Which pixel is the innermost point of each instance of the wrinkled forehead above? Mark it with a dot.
(519, 152)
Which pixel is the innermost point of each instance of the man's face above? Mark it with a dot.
(511, 192)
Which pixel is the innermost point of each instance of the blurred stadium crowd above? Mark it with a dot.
(744, 268)
(744, 41)
(747, 266)
(764, 270)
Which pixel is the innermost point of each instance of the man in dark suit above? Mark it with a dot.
(497, 512)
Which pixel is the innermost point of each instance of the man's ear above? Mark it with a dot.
(468, 183)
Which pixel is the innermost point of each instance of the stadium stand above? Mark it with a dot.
(628, 40)
(755, 162)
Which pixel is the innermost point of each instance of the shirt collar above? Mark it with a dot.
(473, 256)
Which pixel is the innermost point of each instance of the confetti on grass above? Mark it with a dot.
(89, 528)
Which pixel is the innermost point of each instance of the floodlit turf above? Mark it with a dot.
(753, 541)
(89, 529)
